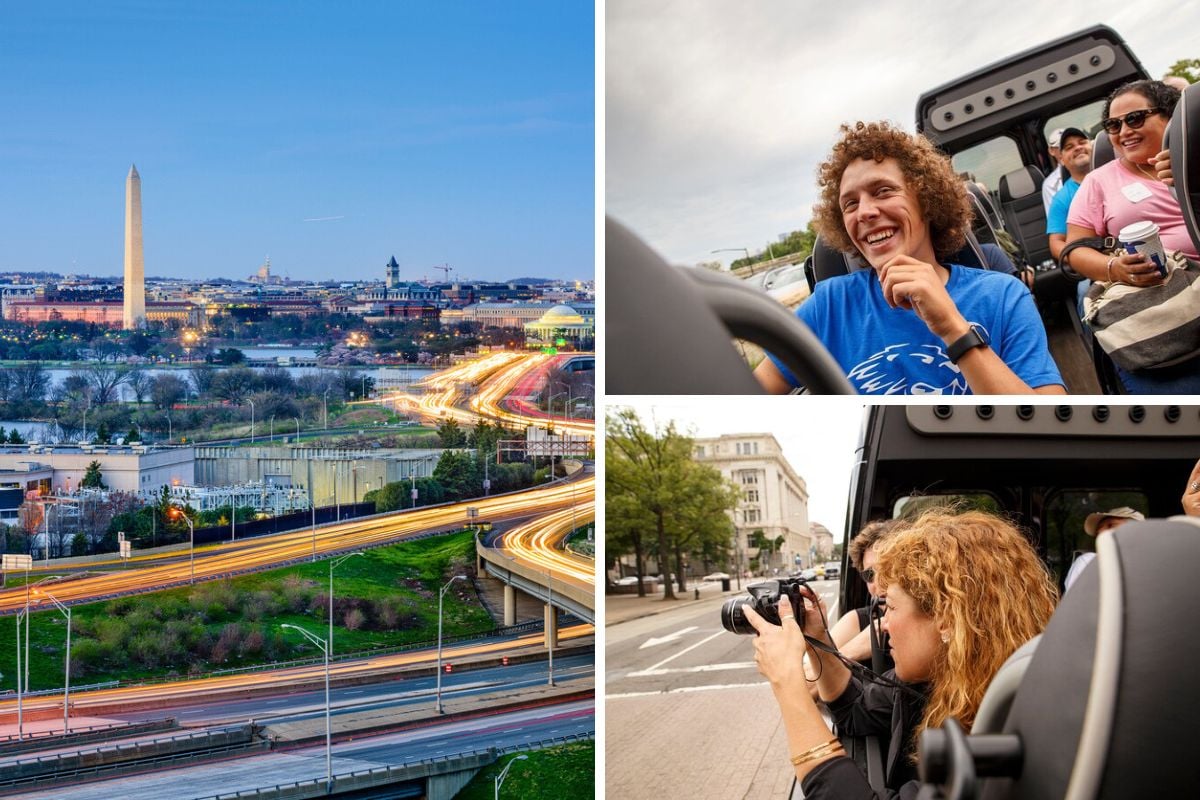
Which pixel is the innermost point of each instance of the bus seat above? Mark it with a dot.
(1183, 140)
(1024, 213)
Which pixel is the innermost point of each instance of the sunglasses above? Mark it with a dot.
(1134, 119)
(868, 574)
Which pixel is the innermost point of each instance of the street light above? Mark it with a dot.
(297, 421)
(325, 405)
(504, 772)
(10, 562)
(251, 402)
(733, 250)
(67, 662)
(441, 595)
(321, 643)
(272, 429)
(177, 513)
(332, 566)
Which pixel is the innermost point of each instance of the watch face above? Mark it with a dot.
(983, 334)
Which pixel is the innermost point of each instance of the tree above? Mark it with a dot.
(105, 382)
(451, 434)
(235, 385)
(655, 473)
(91, 478)
(102, 434)
(167, 390)
(458, 473)
(1186, 68)
(15, 437)
(134, 435)
(139, 382)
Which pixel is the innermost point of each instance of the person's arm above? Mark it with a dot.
(844, 629)
(909, 283)
(858, 648)
(1131, 269)
(779, 654)
(771, 378)
(1057, 242)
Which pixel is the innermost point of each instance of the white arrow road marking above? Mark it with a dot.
(650, 670)
(701, 668)
(664, 639)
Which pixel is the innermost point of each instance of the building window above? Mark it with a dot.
(749, 477)
(752, 515)
(752, 495)
(700, 451)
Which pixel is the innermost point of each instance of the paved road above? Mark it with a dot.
(687, 716)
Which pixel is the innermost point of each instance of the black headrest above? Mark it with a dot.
(1183, 140)
(669, 341)
(828, 262)
(1111, 688)
(1020, 183)
(1102, 150)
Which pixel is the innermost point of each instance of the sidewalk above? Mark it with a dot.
(620, 608)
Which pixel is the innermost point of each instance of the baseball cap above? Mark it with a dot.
(1124, 512)
(1066, 133)
(1056, 138)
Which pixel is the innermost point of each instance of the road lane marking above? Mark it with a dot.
(702, 668)
(681, 652)
(668, 638)
(683, 689)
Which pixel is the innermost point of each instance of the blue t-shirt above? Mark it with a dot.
(885, 350)
(1056, 219)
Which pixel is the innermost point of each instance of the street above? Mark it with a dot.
(687, 714)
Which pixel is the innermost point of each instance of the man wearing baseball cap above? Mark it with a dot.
(1094, 525)
(1075, 155)
(1054, 180)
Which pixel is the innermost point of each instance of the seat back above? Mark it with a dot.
(1024, 212)
(1102, 150)
(826, 262)
(1183, 140)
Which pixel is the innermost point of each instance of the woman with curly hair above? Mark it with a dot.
(914, 323)
(962, 592)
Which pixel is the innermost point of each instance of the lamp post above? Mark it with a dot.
(11, 562)
(312, 505)
(321, 643)
(251, 402)
(66, 663)
(297, 421)
(364, 388)
(272, 429)
(551, 631)
(504, 773)
(178, 514)
(733, 250)
(442, 595)
(332, 566)
(325, 406)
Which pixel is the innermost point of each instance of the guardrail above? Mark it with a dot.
(377, 776)
(36, 739)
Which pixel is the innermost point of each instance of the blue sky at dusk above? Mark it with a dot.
(328, 136)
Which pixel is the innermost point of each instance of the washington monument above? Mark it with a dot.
(135, 270)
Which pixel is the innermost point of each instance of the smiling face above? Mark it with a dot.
(916, 641)
(1140, 145)
(1076, 155)
(882, 216)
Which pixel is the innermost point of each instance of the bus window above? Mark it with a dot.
(989, 161)
(1086, 118)
(913, 506)
(1065, 513)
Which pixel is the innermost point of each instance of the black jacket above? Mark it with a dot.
(871, 709)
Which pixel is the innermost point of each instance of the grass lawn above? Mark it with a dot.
(386, 597)
(567, 771)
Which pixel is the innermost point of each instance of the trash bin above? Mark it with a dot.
(724, 584)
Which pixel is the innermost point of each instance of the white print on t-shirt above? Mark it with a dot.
(1135, 192)
(885, 373)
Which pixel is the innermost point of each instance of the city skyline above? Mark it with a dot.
(324, 139)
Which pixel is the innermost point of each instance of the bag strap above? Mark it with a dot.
(1101, 243)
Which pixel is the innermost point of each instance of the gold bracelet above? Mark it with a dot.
(1110, 263)
(819, 751)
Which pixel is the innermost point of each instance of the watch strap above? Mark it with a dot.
(973, 338)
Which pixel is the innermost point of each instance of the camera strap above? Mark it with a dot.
(866, 673)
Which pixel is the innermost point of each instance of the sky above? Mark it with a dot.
(327, 136)
(818, 435)
(717, 113)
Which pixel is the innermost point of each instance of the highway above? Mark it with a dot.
(272, 551)
(537, 543)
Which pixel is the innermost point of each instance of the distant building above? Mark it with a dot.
(111, 314)
(60, 468)
(822, 541)
(560, 326)
(393, 273)
(774, 498)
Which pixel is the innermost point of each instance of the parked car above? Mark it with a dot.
(832, 570)
(717, 576)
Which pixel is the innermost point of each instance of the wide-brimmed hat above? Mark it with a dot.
(1124, 512)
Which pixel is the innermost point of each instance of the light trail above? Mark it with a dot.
(268, 552)
(538, 543)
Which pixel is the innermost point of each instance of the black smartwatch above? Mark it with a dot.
(975, 336)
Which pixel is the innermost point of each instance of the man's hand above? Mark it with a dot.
(1191, 493)
(912, 284)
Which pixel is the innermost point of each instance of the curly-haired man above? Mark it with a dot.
(915, 323)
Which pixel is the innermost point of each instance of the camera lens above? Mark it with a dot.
(733, 617)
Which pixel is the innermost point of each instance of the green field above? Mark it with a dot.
(552, 774)
(385, 598)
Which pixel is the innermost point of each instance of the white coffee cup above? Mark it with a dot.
(1142, 237)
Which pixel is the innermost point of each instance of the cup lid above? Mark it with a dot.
(1136, 231)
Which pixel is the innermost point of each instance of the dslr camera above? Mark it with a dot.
(764, 599)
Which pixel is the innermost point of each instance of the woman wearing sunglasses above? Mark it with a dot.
(962, 592)
(851, 634)
(1127, 190)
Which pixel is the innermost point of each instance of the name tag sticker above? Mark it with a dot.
(1135, 192)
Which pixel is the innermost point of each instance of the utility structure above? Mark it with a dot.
(134, 288)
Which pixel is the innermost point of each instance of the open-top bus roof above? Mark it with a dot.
(1058, 75)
